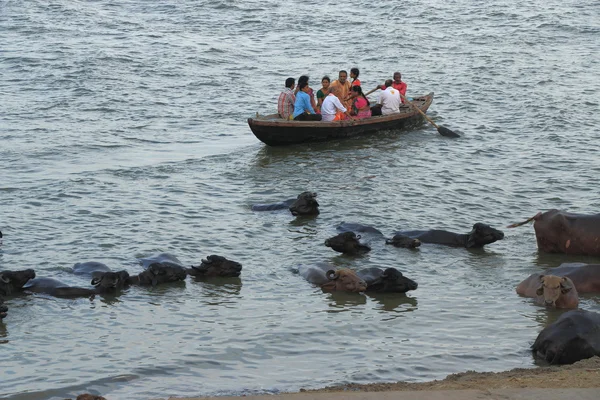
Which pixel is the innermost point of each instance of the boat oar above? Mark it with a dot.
(443, 131)
(372, 91)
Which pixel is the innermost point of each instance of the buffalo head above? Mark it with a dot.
(394, 282)
(305, 204)
(214, 266)
(483, 234)
(106, 281)
(400, 240)
(13, 281)
(552, 287)
(158, 273)
(347, 243)
(344, 280)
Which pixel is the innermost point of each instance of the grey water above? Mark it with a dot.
(123, 134)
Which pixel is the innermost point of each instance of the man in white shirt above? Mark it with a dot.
(332, 105)
(389, 99)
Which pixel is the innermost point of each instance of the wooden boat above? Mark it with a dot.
(275, 131)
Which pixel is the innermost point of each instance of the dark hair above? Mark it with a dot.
(326, 78)
(355, 71)
(388, 82)
(302, 85)
(344, 71)
(303, 78)
(358, 89)
(289, 82)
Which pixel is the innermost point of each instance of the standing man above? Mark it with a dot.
(389, 99)
(396, 84)
(287, 99)
(342, 91)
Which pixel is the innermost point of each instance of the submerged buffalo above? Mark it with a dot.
(215, 266)
(574, 336)
(305, 204)
(358, 228)
(332, 280)
(104, 283)
(584, 277)
(400, 240)
(551, 291)
(12, 282)
(480, 235)
(347, 243)
(389, 280)
(563, 232)
(159, 273)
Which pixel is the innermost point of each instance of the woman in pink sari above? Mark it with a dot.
(361, 107)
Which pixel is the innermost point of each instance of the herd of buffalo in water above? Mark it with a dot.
(574, 336)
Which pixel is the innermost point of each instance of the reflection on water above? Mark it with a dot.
(398, 302)
(342, 301)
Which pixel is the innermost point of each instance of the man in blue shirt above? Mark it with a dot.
(303, 110)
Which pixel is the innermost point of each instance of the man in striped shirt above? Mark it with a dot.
(287, 99)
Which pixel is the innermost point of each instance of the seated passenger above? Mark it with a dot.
(361, 107)
(332, 108)
(389, 101)
(323, 92)
(303, 110)
(354, 72)
(287, 98)
(311, 93)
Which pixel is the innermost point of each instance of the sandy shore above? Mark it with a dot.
(577, 381)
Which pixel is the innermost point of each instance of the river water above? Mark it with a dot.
(123, 131)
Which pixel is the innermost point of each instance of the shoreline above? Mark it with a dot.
(581, 379)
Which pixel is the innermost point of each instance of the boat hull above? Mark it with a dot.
(274, 131)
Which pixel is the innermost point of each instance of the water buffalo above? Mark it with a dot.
(304, 204)
(162, 258)
(215, 266)
(562, 232)
(573, 337)
(389, 280)
(347, 243)
(158, 273)
(104, 283)
(400, 240)
(550, 290)
(13, 281)
(480, 235)
(331, 280)
(585, 277)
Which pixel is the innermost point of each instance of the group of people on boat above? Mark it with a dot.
(338, 100)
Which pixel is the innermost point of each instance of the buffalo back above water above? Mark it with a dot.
(480, 235)
(585, 277)
(558, 231)
(159, 273)
(573, 337)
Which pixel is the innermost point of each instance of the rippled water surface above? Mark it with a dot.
(123, 132)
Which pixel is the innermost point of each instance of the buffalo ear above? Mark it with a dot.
(96, 281)
(565, 285)
(540, 290)
(331, 275)
(4, 279)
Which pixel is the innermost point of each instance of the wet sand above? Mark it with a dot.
(577, 381)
